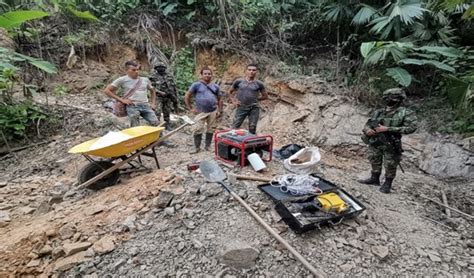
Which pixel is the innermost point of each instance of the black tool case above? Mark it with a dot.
(310, 220)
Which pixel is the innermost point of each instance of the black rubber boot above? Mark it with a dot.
(374, 179)
(208, 141)
(197, 143)
(386, 186)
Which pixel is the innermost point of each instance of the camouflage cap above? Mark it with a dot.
(394, 92)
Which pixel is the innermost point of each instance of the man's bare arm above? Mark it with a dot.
(263, 95)
(111, 91)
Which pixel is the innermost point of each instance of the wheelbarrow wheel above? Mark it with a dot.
(93, 169)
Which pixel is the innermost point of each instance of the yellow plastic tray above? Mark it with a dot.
(141, 137)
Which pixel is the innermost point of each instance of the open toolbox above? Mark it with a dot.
(308, 212)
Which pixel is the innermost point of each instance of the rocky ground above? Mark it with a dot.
(170, 222)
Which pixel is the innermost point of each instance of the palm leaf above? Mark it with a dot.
(458, 93)
(83, 15)
(16, 18)
(419, 62)
(365, 48)
(364, 15)
(445, 51)
(400, 75)
(408, 11)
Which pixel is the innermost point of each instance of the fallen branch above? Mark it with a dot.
(8, 150)
(437, 222)
(445, 201)
(451, 208)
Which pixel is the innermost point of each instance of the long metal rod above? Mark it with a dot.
(270, 230)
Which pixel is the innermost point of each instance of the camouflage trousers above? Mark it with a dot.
(166, 106)
(382, 155)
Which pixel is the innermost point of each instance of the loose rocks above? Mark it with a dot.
(239, 254)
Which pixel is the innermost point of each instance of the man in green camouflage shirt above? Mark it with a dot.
(383, 133)
(166, 92)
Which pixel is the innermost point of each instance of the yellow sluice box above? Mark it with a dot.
(115, 144)
(332, 202)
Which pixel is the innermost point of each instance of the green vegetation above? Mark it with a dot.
(184, 67)
(423, 45)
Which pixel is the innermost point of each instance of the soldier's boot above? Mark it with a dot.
(168, 126)
(373, 179)
(197, 143)
(386, 186)
(208, 141)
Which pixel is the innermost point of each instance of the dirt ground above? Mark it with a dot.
(170, 222)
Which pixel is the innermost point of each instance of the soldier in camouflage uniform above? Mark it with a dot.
(166, 92)
(383, 133)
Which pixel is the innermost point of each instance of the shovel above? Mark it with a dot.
(213, 173)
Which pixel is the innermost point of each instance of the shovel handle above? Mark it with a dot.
(298, 256)
(252, 178)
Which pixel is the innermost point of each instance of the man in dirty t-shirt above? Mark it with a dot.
(245, 94)
(137, 103)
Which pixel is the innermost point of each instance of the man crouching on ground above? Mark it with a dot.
(134, 95)
(208, 104)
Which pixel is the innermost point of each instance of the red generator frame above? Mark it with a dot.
(234, 145)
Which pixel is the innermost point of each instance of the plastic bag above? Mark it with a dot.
(304, 162)
(287, 151)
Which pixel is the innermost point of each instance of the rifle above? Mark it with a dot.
(390, 139)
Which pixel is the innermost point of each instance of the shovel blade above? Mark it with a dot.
(212, 171)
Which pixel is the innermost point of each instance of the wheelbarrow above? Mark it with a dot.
(117, 149)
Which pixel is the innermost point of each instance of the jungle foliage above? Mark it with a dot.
(423, 45)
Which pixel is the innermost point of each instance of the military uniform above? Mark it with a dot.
(163, 82)
(386, 147)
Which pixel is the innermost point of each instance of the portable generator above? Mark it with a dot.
(234, 145)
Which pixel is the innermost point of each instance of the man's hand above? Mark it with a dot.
(161, 93)
(236, 102)
(370, 132)
(126, 101)
(153, 106)
(381, 128)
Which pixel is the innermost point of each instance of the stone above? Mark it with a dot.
(69, 262)
(210, 189)
(175, 189)
(43, 208)
(4, 218)
(239, 254)
(73, 248)
(119, 263)
(189, 213)
(355, 243)
(57, 252)
(434, 258)
(133, 251)
(169, 210)
(96, 209)
(33, 263)
(55, 200)
(104, 245)
(380, 251)
(347, 267)
(163, 200)
(26, 210)
(3, 184)
(180, 246)
(129, 222)
(446, 160)
(45, 250)
(67, 231)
